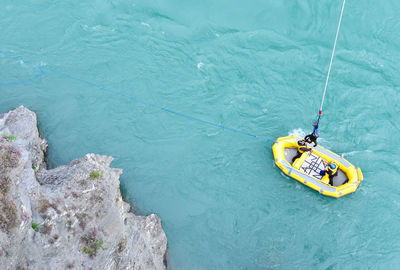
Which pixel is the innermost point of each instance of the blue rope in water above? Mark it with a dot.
(34, 78)
(30, 80)
(113, 92)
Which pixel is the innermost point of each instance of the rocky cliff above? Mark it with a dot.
(70, 217)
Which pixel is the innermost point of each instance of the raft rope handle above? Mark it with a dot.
(330, 64)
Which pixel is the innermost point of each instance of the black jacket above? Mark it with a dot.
(312, 137)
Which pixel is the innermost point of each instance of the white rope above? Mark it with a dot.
(333, 53)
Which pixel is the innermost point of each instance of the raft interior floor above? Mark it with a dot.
(312, 166)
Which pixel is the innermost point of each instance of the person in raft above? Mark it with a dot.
(331, 170)
(312, 138)
(302, 147)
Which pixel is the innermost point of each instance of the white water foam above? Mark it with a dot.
(297, 132)
(145, 24)
(355, 152)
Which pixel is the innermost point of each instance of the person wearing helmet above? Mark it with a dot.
(302, 147)
(312, 138)
(330, 171)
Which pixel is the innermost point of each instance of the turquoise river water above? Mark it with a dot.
(145, 80)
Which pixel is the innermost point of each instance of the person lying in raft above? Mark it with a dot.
(312, 138)
(331, 170)
(302, 147)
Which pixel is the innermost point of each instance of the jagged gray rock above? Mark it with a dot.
(70, 217)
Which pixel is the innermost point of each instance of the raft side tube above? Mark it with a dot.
(360, 175)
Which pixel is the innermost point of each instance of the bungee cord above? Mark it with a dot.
(330, 64)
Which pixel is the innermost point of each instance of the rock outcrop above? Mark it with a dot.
(70, 217)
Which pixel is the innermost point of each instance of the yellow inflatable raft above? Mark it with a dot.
(306, 169)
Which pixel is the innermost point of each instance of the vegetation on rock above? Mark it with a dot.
(35, 227)
(95, 174)
(10, 138)
(8, 214)
(9, 157)
(92, 243)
